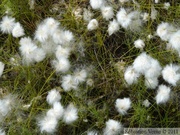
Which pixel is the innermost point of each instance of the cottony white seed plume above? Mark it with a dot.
(87, 15)
(175, 40)
(92, 133)
(97, 4)
(136, 21)
(1, 68)
(154, 13)
(142, 63)
(123, 1)
(166, 5)
(92, 25)
(146, 103)
(170, 74)
(42, 33)
(18, 30)
(165, 30)
(122, 105)
(123, 18)
(155, 69)
(48, 124)
(145, 17)
(80, 76)
(2, 132)
(69, 83)
(139, 44)
(7, 24)
(107, 12)
(53, 96)
(49, 46)
(90, 82)
(25, 40)
(61, 64)
(156, 1)
(113, 27)
(150, 36)
(67, 37)
(131, 75)
(27, 50)
(56, 112)
(113, 127)
(52, 24)
(39, 55)
(30, 52)
(62, 52)
(151, 83)
(7, 104)
(70, 114)
(57, 37)
(163, 94)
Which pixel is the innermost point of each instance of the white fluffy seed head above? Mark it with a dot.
(27, 49)
(163, 94)
(2, 132)
(57, 37)
(123, 1)
(53, 96)
(49, 47)
(18, 30)
(154, 12)
(175, 40)
(151, 83)
(7, 24)
(146, 103)
(62, 52)
(97, 4)
(42, 33)
(92, 133)
(69, 83)
(7, 104)
(87, 15)
(67, 37)
(39, 55)
(122, 105)
(30, 52)
(1, 68)
(142, 63)
(145, 16)
(52, 24)
(92, 25)
(113, 27)
(113, 127)
(61, 64)
(131, 76)
(70, 114)
(165, 30)
(136, 21)
(123, 18)
(80, 76)
(48, 124)
(170, 74)
(139, 44)
(107, 12)
(166, 5)
(155, 69)
(56, 112)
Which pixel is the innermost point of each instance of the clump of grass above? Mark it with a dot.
(104, 57)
